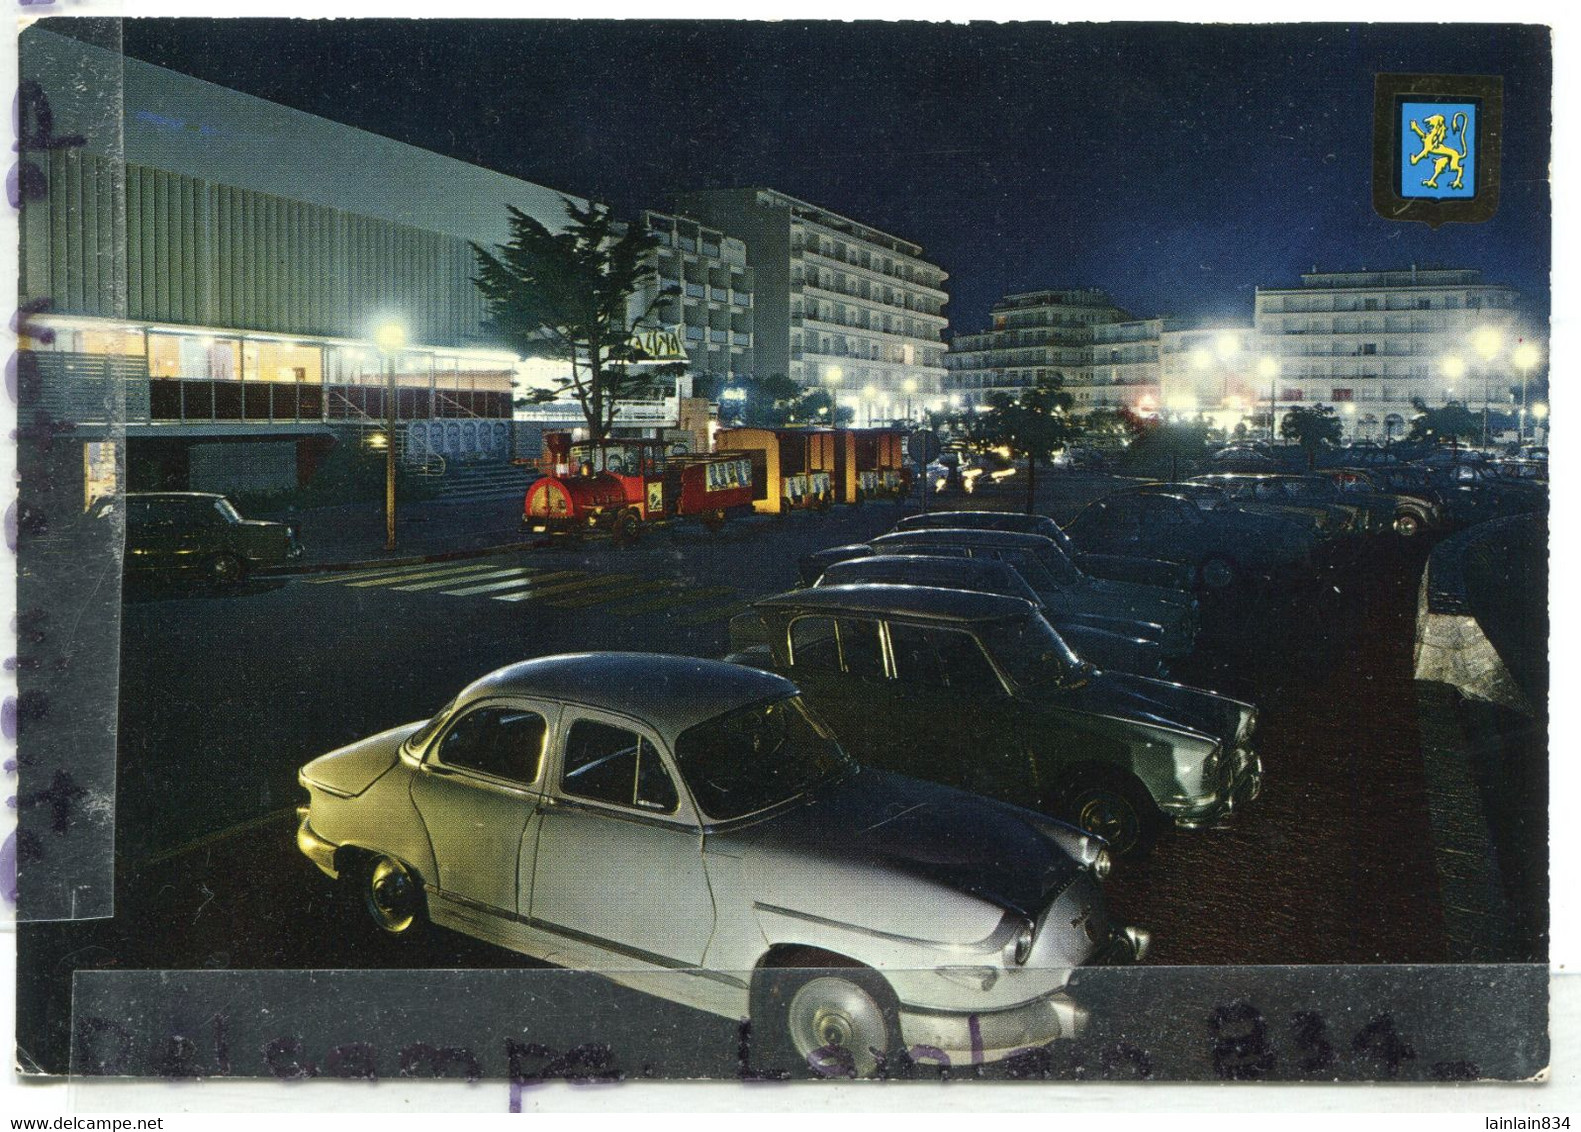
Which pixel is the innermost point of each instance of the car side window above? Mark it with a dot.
(827, 644)
(614, 765)
(504, 742)
(941, 658)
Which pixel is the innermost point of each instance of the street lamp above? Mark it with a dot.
(1269, 368)
(1486, 341)
(833, 376)
(1525, 357)
(910, 387)
(390, 338)
(869, 394)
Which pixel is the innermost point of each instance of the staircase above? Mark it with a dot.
(482, 483)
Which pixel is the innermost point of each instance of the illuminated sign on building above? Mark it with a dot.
(658, 345)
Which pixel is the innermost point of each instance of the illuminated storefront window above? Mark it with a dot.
(193, 356)
(284, 361)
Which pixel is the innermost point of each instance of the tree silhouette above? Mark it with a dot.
(1312, 428)
(567, 295)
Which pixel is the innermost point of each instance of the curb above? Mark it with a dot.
(404, 560)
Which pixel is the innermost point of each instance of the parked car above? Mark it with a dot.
(1139, 610)
(1474, 492)
(690, 828)
(1118, 567)
(1223, 547)
(1412, 513)
(196, 533)
(977, 691)
(1287, 498)
(1120, 646)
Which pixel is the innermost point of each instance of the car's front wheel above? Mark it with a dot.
(391, 894)
(844, 1020)
(1217, 573)
(226, 569)
(1120, 812)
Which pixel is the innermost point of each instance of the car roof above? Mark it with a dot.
(973, 521)
(174, 495)
(671, 693)
(923, 566)
(961, 536)
(907, 601)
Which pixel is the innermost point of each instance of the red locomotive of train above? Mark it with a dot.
(622, 485)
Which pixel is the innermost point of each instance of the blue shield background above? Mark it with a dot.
(1412, 176)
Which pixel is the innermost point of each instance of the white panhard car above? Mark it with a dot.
(689, 828)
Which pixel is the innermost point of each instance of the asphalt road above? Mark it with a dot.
(225, 695)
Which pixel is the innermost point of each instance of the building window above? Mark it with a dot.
(1369, 304)
(1292, 395)
(1344, 395)
(1368, 348)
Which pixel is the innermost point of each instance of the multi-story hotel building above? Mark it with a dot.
(207, 274)
(712, 286)
(1369, 342)
(1211, 373)
(1035, 335)
(837, 304)
(1125, 366)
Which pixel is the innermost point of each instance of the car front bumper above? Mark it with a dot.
(973, 1038)
(1217, 811)
(314, 847)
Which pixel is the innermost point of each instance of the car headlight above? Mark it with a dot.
(1021, 945)
(1102, 862)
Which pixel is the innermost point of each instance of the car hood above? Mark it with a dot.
(911, 858)
(353, 768)
(1156, 703)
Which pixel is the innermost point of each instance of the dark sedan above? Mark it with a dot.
(977, 691)
(196, 533)
(1223, 547)
(1116, 567)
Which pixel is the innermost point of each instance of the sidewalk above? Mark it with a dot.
(353, 535)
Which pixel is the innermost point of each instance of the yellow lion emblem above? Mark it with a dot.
(1445, 156)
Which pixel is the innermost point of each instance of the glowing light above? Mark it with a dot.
(909, 386)
(1526, 356)
(1181, 403)
(869, 392)
(733, 394)
(834, 375)
(1486, 341)
(1267, 367)
(1200, 358)
(1452, 366)
(1540, 410)
(1349, 408)
(1228, 345)
(390, 337)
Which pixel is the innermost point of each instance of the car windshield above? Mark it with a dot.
(1031, 652)
(224, 507)
(1057, 564)
(426, 732)
(756, 757)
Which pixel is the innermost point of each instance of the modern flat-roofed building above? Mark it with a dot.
(207, 273)
(1035, 335)
(837, 303)
(1371, 342)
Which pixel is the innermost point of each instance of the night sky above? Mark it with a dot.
(1178, 167)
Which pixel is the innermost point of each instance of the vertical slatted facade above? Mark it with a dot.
(143, 244)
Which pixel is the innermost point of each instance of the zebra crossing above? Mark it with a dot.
(619, 594)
